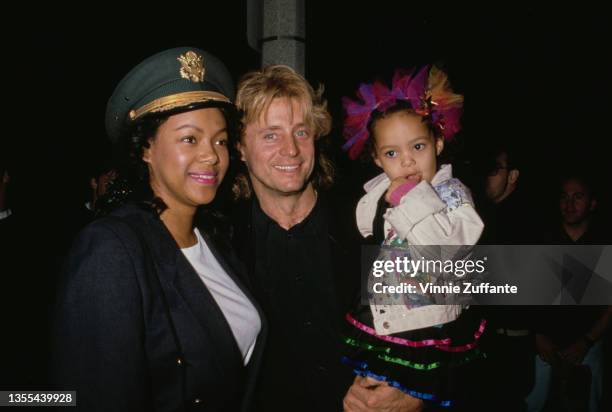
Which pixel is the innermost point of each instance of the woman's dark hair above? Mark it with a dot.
(132, 184)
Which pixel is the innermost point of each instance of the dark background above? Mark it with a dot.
(538, 75)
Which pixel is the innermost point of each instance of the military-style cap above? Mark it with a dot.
(175, 79)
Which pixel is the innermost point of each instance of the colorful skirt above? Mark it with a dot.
(441, 364)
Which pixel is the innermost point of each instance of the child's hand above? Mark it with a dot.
(398, 188)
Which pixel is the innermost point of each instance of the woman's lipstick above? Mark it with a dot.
(205, 178)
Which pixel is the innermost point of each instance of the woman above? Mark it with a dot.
(152, 313)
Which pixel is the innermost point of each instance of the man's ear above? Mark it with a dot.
(593, 205)
(513, 176)
(240, 148)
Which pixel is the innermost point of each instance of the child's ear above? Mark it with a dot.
(439, 145)
(377, 161)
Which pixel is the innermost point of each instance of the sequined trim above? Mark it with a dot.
(413, 365)
(361, 368)
(387, 358)
(442, 344)
(470, 356)
(364, 345)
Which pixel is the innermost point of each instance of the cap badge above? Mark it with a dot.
(192, 66)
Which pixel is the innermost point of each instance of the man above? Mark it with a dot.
(79, 216)
(509, 345)
(302, 260)
(504, 205)
(577, 204)
(572, 335)
(99, 185)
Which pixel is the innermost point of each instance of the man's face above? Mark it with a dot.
(575, 202)
(279, 149)
(499, 182)
(104, 180)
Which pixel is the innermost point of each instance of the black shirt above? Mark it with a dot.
(565, 325)
(509, 222)
(294, 275)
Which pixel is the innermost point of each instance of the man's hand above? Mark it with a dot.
(370, 395)
(546, 349)
(575, 352)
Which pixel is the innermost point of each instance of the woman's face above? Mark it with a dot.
(188, 157)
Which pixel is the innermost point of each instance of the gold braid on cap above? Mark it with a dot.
(192, 68)
(166, 103)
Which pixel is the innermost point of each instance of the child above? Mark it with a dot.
(423, 348)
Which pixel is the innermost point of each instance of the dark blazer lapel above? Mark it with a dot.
(231, 270)
(239, 279)
(176, 272)
(255, 361)
(206, 310)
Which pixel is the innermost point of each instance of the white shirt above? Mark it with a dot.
(236, 307)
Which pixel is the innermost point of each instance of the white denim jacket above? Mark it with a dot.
(439, 213)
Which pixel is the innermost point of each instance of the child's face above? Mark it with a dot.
(404, 147)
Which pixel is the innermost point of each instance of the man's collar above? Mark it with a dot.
(260, 217)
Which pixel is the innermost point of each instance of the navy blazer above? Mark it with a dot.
(136, 328)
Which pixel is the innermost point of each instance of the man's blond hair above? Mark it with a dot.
(257, 90)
